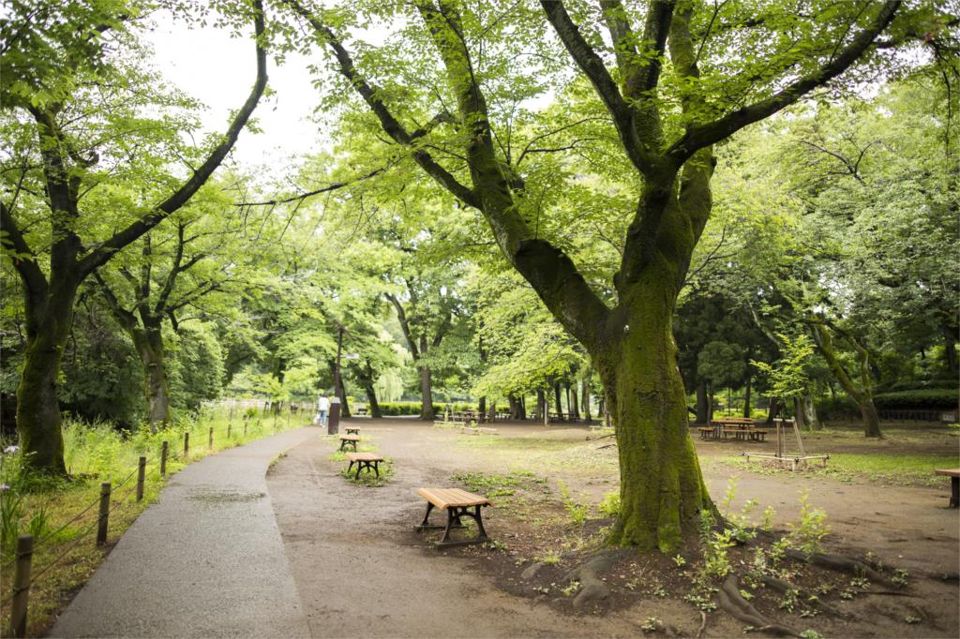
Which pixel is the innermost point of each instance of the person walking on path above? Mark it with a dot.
(323, 409)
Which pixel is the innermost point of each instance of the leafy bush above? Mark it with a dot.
(413, 408)
(926, 398)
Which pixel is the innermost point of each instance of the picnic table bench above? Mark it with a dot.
(954, 475)
(457, 503)
(370, 461)
(352, 430)
(349, 440)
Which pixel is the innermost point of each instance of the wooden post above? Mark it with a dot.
(104, 513)
(21, 587)
(244, 428)
(164, 451)
(210, 439)
(141, 475)
(186, 445)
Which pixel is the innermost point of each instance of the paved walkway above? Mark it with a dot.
(206, 560)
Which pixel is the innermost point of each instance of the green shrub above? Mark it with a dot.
(926, 398)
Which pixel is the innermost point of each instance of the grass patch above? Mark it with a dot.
(891, 469)
(368, 478)
(501, 485)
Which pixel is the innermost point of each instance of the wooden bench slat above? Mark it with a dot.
(949, 472)
(363, 457)
(350, 438)
(452, 498)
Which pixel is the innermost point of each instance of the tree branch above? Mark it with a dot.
(22, 257)
(183, 194)
(699, 136)
(592, 66)
(390, 124)
(325, 189)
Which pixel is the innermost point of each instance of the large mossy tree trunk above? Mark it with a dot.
(49, 318)
(661, 486)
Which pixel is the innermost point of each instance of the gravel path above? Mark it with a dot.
(206, 560)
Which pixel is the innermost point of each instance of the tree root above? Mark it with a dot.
(733, 603)
(703, 624)
(592, 588)
(839, 563)
(783, 587)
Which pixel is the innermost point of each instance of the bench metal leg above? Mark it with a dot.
(426, 519)
(955, 492)
(453, 521)
(350, 467)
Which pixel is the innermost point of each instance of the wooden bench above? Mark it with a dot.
(352, 430)
(370, 461)
(758, 434)
(457, 503)
(706, 432)
(954, 475)
(349, 440)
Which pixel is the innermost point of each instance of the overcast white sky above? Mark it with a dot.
(219, 70)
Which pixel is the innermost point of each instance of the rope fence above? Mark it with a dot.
(109, 501)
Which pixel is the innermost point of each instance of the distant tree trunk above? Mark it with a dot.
(950, 348)
(556, 398)
(703, 405)
(773, 410)
(482, 409)
(710, 404)
(861, 393)
(426, 394)
(585, 394)
(372, 402)
(541, 405)
(572, 404)
(806, 412)
(339, 389)
(746, 396)
(514, 405)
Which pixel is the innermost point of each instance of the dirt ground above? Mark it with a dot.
(361, 569)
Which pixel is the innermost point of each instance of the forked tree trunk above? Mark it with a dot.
(661, 487)
(426, 394)
(149, 345)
